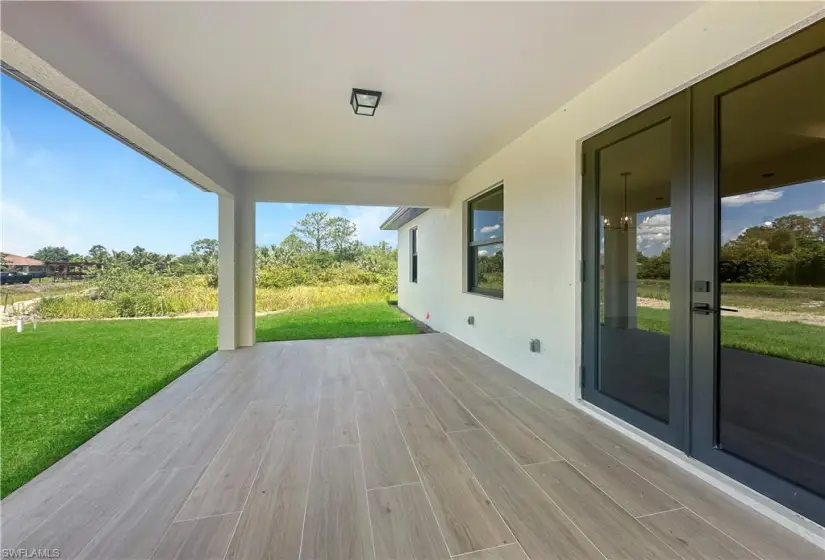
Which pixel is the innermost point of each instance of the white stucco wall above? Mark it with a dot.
(542, 186)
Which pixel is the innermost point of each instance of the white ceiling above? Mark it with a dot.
(270, 82)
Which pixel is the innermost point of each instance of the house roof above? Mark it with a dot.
(401, 216)
(17, 260)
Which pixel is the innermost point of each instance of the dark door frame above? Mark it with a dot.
(704, 410)
(676, 109)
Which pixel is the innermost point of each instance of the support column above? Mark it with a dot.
(619, 274)
(236, 272)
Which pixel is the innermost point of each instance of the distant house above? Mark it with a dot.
(22, 264)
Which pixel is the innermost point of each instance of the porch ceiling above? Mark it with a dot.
(265, 86)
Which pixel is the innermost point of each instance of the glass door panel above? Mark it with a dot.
(636, 253)
(634, 284)
(771, 273)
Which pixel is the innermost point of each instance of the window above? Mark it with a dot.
(414, 253)
(485, 236)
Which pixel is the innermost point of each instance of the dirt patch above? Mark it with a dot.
(748, 313)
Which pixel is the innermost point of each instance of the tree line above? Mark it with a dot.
(318, 248)
(790, 250)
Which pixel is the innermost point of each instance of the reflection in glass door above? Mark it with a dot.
(759, 328)
(639, 231)
(771, 266)
(634, 188)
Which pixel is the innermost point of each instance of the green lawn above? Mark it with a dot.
(360, 319)
(792, 341)
(66, 381)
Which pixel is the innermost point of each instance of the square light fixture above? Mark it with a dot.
(364, 101)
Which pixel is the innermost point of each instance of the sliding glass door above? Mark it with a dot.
(704, 271)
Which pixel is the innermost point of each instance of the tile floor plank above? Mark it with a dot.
(338, 377)
(537, 523)
(448, 411)
(25, 509)
(633, 492)
(506, 552)
(225, 484)
(138, 529)
(337, 524)
(197, 539)
(693, 538)
(386, 459)
(274, 514)
(72, 526)
(130, 428)
(397, 387)
(614, 531)
(523, 444)
(336, 422)
(403, 524)
(762, 536)
(467, 519)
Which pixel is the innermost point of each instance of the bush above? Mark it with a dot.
(282, 277)
(308, 282)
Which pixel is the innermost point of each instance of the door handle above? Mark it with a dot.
(706, 309)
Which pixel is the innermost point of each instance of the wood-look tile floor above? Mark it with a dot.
(407, 447)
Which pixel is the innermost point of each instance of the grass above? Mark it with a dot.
(66, 381)
(192, 297)
(792, 341)
(365, 319)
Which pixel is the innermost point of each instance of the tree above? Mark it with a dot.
(314, 229)
(206, 248)
(292, 244)
(51, 254)
(99, 253)
(341, 235)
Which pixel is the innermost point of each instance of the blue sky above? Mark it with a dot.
(739, 212)
(66, 183)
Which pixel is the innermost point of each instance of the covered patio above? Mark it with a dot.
(387, 448)
(392, 447)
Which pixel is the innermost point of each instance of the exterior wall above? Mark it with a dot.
(542, 198)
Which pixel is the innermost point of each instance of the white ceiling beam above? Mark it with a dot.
(274, 186)
(49, 46)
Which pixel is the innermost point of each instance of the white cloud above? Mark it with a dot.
(653, 234)
(483, 253)
(488, 229)
(24, 233)
(759, 197)
(812, 213)
(368, 220)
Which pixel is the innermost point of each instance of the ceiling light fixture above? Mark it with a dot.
(626, 220)
(364, 102)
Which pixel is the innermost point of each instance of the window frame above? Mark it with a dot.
(471, 246)
(414, 255)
